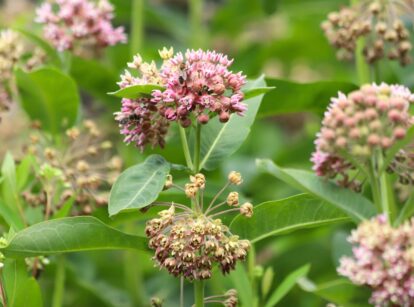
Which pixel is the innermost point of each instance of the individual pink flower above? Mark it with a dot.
(383, 259)
(79, 25)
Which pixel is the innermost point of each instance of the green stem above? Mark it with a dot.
(251, 265)
(374, 187)
(186, 149)
(137, 25)
(199, 293)
(196, 22)
(197, 149)
(362, 66)
(57, 300)
(387, 198)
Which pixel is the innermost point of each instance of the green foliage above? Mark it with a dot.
(354, 204)
(290, 97)
(136, 91)
(139, 185)
(72, 234)
(50, 96)
(218, 140)
(279, 217)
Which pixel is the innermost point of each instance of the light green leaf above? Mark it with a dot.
(71, 234)
(354, 204)
(23, 171)
(340, 291)
(282, 216)
(136, 91)
(15, 277)
(50, 96)
(139, 185)
(287, 284)
(219, 140)
(242, 284)
(293, 97)
(257, 91)
(30, 289)
(11, 217)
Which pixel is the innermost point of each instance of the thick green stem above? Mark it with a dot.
(251, 258)
(197, 149)
(374, 187)
(199, 293)
(137, 26)
(196, 22)
(387, 199)
(58, 292)
(186, 149)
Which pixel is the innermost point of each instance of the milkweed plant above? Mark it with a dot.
(116, 140)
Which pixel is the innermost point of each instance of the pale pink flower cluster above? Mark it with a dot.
(369, 119)
(79, 25)
(198, 85)
(383, 259)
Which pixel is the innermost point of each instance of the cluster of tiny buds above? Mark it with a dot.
(380, 23)
(84, 165)
(198, 86)
(383, 260)
(190, 242)
(367, 120)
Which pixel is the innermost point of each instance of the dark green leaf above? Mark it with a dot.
(50, 96)
(219, 140)
(72, 234)
(293, 97)
(136, 91)
(354, 204)
(139, 185)
(282, 216)
(287, 284)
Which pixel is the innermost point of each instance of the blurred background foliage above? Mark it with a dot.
(279, 38)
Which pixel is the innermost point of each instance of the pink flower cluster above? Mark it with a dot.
(198, 85)
(369, 119)
(79, 25)
(383, 259)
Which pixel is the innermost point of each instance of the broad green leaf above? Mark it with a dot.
(257, 91)
(242, 284)
(71, 234)
(287, 284)
(15, 277)
(354, 204)
(51, 52)
(282, 216)
(30, 290)
(50, 96)
(139, 185)
(290, 97)
(23, 170)
(136, 91)
(219, 140)
(340, 291)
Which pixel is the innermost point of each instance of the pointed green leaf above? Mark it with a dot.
(136, 91)
(14, 276)
(287, 284)
(50, 96)
(282, 216)
(354, 204)
(257, 91)
(219, 140)
(139, 185)
(71, 234)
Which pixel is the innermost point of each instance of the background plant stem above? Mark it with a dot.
(199, 293)
(251, 258)
(197, 149)
(137, 26)
(60, 276)
(196, 23)
(186, 149)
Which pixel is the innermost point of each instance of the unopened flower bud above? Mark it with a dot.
(235, 178)
(233, 199)
(246, 209)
